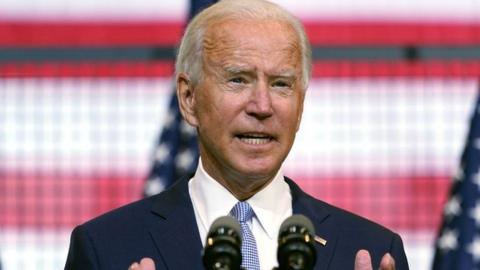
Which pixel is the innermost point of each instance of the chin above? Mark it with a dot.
(259, 170)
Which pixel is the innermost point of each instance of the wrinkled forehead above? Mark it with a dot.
(269, 39)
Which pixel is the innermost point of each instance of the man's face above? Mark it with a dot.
(248, 105)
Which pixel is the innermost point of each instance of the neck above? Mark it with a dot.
(243, 192)
(242, 187)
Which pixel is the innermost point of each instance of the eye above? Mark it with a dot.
(281, 84)
(238, 80)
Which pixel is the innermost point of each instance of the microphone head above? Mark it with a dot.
(296, 249)
(225, 222)
(223, 245)
(300, 221)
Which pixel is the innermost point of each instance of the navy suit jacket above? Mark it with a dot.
(163, 227)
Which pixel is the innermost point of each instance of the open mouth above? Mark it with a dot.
(255, 139)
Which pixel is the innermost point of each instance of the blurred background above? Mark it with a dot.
(85, 88)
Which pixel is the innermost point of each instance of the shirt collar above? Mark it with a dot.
(212, 200)
(269, 208)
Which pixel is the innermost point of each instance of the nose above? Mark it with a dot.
(260, 102)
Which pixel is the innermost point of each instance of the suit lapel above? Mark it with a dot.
(304, 204)
(175, 230)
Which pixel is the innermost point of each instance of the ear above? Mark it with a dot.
(186, 99)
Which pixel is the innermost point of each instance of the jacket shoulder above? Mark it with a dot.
(349, 232)
(120, 215)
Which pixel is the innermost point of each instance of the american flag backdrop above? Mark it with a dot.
(176, 154)
(86, 87)
(458, 244)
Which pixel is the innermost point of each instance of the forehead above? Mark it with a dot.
(270, 40)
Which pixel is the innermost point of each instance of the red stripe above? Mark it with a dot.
(167, 33)
(383, 68)
(34, 34)
(392, 33)
(89, 69)
(321, 69)
(57, 200)
(403, 203)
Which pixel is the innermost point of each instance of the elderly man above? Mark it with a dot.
(242, 71)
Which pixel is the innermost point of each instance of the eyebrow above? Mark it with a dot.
(285, 74)
(237, 69)
(245, 69)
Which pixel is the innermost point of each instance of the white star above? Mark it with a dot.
(185, 128)
(167, 123)
(476, 178)
(452, 207)
(162, 152)
(459, 174)
(474, 249)
(448, 240)
(184, 159)
(476, 143)
(154, 186)
(475, 213)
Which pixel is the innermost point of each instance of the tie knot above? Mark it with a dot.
(242, 211)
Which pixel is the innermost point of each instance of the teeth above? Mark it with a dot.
(261, 140)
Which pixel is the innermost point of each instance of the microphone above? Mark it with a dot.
(296, 250)
(223, 245)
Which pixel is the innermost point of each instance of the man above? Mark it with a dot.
(242, 71)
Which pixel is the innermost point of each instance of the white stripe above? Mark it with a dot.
(383, 125)
(419, 248)
(81, 124)
(359, 125)
(425, 10)
(32, 248)
(88, 10)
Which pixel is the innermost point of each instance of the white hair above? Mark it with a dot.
(189, 57)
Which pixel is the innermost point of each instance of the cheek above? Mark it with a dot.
(225, 107)
(213, 114)
(290, 114)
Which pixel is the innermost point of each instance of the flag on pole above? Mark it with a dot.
(176, 153)
(458, 243)
(198, 5)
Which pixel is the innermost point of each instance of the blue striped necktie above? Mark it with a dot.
(244, 213)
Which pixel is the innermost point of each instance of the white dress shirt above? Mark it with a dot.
(272, 205)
